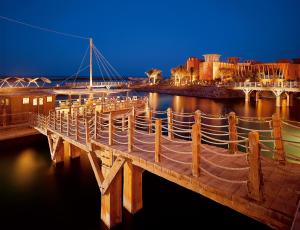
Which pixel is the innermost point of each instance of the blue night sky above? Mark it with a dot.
(136, 35)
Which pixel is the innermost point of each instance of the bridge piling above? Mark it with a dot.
(158, 129)
(277, 135)
(255, 180)
(232, 120)
(132, 188)
(111, 203)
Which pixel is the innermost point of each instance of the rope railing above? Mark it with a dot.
(257, 130)
(144, 142)
(223, 179)
(290, 125)
(176, 141)
(214, 126)
(143, 150)
(223, 167)
(223, 154)
(120, 142)
(176, 151)
(176, 161)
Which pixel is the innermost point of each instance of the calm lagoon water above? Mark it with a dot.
(35, 194)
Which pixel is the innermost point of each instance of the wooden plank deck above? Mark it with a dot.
(17, 132)
(281, 182)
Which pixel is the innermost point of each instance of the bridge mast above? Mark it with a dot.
(91, 62)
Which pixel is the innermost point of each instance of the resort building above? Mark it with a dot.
(211, 68)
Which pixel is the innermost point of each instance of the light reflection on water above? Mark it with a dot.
(262, 108)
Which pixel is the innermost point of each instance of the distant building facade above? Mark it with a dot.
(212, 68)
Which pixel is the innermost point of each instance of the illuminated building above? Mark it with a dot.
(212, 68)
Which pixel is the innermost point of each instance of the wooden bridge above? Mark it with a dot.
(218, 157)
(278, 89)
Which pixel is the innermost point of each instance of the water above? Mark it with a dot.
(35, 194)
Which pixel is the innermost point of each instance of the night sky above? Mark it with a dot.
(138, 35)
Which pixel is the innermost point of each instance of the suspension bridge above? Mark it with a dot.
(219, 157)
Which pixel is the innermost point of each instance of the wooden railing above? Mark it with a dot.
(198, 132)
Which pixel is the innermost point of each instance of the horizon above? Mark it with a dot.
(134, 39)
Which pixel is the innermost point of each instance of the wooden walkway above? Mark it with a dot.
(223, 176)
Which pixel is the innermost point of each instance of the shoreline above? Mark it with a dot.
(210, 92)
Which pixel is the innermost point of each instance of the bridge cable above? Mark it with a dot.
(43, 28)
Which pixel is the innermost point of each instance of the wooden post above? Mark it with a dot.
(130, 132)
(60, 121)
(76, 126)
(110, 129)
(255, 179)
(158, 128)
(68, 123)
(197, 117)
(150, 114)
(277, 134)
(123, 123)
(55, 119)
(232, 132)
(87, 130)
(132, 188)
(170, 124)
(96, 125)
(196, 141)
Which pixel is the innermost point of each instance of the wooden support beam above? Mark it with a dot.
(196, 150)
(170, 123)
(56, 147)
(111, 202)
(158, 128)
(232, 132)
(132, 187)
(130, 132)
(255, 178)
(277, 135)
(94, 161)
(113, 172)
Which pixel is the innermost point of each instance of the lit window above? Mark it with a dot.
(34, 102)
(49, 99)
(7, 101)
(25, 100)
(41, 101)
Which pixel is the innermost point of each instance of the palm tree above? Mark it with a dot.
(154, 75)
